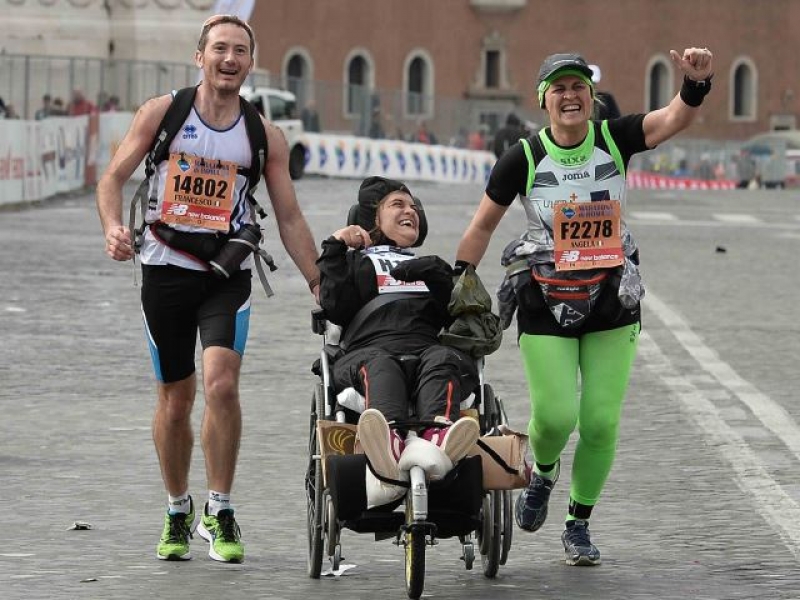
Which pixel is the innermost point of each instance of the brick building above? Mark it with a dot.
(466, 62)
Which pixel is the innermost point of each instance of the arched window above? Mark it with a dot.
(418, 84)
(357, 85)
(298, 75)
(743, 90)
(659, 84)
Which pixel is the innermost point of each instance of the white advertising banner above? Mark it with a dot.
(12, 161)
(350, 156)
(113, 127)
(39, 159)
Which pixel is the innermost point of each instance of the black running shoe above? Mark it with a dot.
(578, 547)
(531, 508)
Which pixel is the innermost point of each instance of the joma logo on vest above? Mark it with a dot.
(575, 176)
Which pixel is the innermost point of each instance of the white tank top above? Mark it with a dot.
(199, 139)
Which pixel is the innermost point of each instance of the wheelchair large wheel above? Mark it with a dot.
(508, 524)
(314, 491)
(491, 537)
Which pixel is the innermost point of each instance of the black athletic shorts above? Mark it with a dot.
(177, 303)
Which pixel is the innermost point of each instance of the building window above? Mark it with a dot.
(492, 69)
(659, 84)
(358, 85)
(298, 75)
(418, 85)
(743, 90)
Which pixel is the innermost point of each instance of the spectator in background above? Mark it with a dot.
(79, 105)
(376, 131)
(422, 135)
(57, 110)
(46, 109)
(310, 117)
(2, 109)
(459, 140)
(10, 112)
(605, 106)
(477, 139)
(111, 105)
(508, 135)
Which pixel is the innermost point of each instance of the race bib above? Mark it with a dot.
(384, 260)
(199, 192)
(587, 235)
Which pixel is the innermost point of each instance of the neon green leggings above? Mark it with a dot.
(552, 364)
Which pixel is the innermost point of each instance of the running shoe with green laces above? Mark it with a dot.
(223, 535)
(174, 542)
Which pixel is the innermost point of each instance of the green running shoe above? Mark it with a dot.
(223, 535)
(174, 542)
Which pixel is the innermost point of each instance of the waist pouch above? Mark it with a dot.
(202, 246)
(570, 295)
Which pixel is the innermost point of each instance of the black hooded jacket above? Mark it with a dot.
(348, 282)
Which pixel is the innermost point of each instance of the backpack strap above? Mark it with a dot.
(176, 114)
(534, 152)
(611, 146)
(182, 102)
(259, 148)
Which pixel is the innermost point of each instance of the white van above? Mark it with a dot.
(279, 106)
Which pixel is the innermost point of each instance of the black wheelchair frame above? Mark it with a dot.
(425, 514)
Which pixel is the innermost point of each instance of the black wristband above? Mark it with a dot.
(461, 266)
(693, 92)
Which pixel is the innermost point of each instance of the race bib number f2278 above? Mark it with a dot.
(587, 235)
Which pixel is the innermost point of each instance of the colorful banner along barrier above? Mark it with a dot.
(356, 157)
(654, 181)
(39, 159)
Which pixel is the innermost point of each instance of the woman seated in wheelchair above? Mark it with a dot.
(397, 304)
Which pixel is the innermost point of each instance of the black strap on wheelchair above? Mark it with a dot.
(496, 457)
(387, 480)
(368, 309)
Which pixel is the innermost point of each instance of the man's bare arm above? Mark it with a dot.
(292, 226)
(132, 150)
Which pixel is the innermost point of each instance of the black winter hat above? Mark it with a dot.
(372, 191)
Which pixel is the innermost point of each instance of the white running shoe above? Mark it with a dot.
(382, 445)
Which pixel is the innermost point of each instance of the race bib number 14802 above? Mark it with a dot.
(199, 192)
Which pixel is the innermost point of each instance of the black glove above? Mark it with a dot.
(435, 272)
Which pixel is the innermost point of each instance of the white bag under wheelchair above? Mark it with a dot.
(458, 506)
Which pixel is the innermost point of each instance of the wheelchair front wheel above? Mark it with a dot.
(314, 491)
(415, 560)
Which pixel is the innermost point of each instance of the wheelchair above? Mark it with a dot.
(457, 506)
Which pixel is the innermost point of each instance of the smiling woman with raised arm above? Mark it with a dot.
(572, 276)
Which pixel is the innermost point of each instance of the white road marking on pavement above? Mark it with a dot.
(768, 497)
(737, 218)
(653, 216)
(767, 411)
